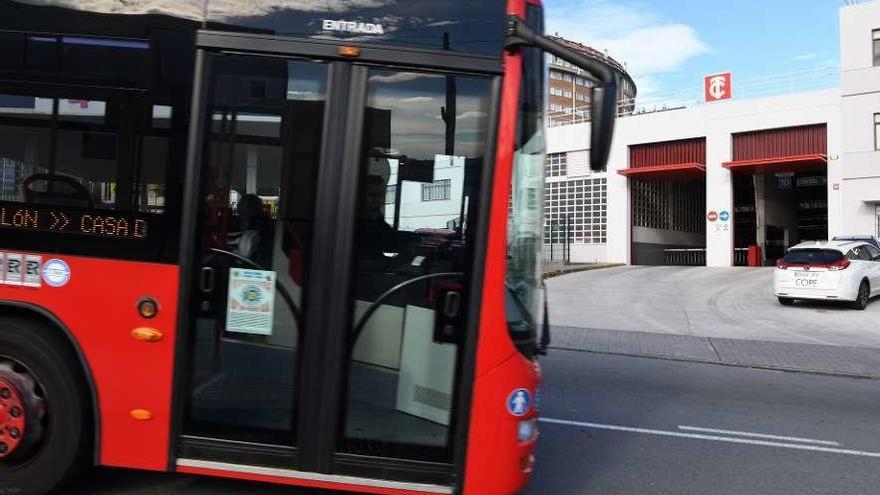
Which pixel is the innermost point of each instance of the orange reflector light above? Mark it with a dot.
(147, 307)
(146, 334)
(349, 51)
(141, 414)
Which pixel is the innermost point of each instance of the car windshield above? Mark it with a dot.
(812, 256)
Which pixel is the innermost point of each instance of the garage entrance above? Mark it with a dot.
(667, 198)
(780, 191)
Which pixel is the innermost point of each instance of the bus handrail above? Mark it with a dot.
(359, 326)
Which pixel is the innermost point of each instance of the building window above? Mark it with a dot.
(391, 194)
(557, 164)
(576, 209)
(566, 77)
(438, 190)
(877, 131)
(581, 97)
(877, 216)
(555, 75)
(875, 34)
(555, 92)
(567, 94)
(675, 206)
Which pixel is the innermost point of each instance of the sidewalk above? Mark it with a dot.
(556, 268)
(726, 303)
(811, 358)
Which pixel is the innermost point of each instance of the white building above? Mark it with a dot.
(705, 183)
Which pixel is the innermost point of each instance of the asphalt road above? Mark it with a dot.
(734, 303)
(656, 398)
(627, 425)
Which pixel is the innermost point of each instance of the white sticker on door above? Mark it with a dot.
(250, 303)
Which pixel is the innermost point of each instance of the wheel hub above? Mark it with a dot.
(21, 412)
(13, 418)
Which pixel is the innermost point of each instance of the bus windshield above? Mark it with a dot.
(525, 222)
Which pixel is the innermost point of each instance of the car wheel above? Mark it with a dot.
(864, 294)
(786, 301)
(44, 417)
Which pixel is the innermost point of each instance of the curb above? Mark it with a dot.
(575, 269)
(843, 361)
(755, 366)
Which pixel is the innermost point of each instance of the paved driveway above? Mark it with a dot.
(735, 303)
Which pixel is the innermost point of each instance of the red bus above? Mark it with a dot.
(286, 241)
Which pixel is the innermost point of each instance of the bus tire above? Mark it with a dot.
(786, 301)
(40, 376)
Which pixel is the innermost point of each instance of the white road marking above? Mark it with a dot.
(714, 438)
(758, 435)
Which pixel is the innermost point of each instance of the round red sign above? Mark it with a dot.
(712, 216)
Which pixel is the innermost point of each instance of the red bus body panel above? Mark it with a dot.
(99, 308)
(497, 464)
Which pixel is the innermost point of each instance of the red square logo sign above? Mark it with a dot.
(718, 87)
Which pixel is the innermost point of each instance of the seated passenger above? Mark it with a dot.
(256, 231)
(377, 240)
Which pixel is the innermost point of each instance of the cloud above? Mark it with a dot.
(473, 114)
(631, 32)
(220, 9)
(805, 56)
(441, 23)
(401, 77)
(417, 99)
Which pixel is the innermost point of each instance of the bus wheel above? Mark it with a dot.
(44, 422)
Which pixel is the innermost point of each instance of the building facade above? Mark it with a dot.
(569, 88)
(714, 183)
(575, 199)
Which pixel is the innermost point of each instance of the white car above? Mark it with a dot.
(842, 270)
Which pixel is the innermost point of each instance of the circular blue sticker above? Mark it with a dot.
(56, 273)
(724, 216)
(518, 402)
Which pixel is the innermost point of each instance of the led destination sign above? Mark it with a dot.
(72, 222)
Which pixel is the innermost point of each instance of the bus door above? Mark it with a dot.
(332, 263)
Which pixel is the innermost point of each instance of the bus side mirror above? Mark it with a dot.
(603, 102)
(603, 112)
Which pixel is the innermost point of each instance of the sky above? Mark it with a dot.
(669, 45)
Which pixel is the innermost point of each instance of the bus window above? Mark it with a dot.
(74, 156)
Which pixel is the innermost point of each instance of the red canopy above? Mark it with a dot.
(799, 163)
(673, 172)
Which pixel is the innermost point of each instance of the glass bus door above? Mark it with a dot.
(262, 136)
(334, 256)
